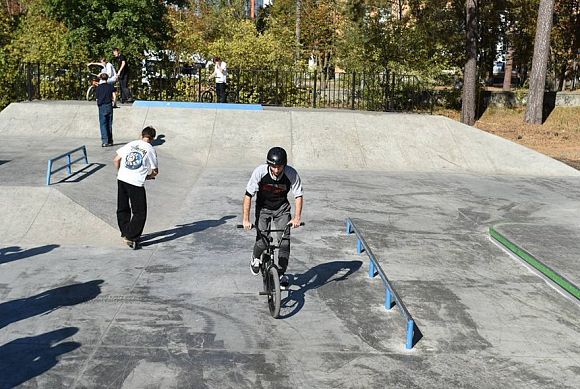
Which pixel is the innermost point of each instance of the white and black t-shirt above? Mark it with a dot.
(272, 192)
(138, 159)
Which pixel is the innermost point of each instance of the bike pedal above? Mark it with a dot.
(263, 293)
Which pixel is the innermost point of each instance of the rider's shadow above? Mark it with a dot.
(182, 230)
(314, 278)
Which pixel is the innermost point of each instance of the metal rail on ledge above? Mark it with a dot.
(391, 294)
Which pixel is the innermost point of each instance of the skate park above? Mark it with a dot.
(80, 309)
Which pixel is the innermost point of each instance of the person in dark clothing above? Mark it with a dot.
(272, 182)
(105, 94)
(123, 76)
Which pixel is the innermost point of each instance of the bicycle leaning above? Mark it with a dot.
(268, 267)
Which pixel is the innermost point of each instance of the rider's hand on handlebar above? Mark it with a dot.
(247, 225)
(295, 222)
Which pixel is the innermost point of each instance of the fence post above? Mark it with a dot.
(314, 91)
(29, 80)
(277, 86)
(353, 90)
(38, 80)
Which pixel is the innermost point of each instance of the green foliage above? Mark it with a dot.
(242, 46)
(39, 38)
(132, 25)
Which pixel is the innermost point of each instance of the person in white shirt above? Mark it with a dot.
(109, 69)
(220, 72)
(135, 162)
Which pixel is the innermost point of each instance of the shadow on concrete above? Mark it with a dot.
(3, 161)
(46, 302)
(314, 278)
(83, 173)
(549, 105)
(417, 334)
(26, 358)
(14, 253)
(182, 230)
(159, 140)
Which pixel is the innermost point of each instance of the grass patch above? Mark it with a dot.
(558, 137)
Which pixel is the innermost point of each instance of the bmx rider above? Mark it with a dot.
(270, 183)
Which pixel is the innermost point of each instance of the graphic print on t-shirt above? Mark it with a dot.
(134, 160)
(274, 188)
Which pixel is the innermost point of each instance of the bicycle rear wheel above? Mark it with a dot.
(232, 97)
(273, 289)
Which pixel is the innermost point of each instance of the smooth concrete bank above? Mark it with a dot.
(345, 140)
(78, 309)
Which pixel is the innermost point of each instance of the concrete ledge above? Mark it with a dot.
(511, 99)
(535, 263)
(184, 104)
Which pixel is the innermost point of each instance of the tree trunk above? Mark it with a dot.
(298, 17)
(470, 71)
(540, 63)
(509, 65)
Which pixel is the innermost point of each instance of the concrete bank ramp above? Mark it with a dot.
(44, 215)
(329, 140)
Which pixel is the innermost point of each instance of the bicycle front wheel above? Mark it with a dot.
(273, 285)
(207, 97)
(90, 95)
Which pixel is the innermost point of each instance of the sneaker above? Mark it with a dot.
(130, 243)
(284, 282)
(255, 266)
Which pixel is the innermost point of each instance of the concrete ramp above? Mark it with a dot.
(32, 216)
(328, 140)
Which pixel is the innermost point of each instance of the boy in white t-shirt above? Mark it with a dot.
(135, 162)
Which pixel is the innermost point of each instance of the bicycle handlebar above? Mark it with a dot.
(253, 226)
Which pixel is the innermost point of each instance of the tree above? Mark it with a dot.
(534, 110)
(132, 25)
(469, 97)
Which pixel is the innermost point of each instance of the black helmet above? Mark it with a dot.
(277, 156)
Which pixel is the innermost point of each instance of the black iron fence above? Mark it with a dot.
(382, 91)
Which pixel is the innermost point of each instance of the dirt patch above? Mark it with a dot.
(558, 137)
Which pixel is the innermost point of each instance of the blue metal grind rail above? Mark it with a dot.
(69, 162)
(391, 293)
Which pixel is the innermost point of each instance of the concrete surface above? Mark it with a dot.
(561, 255)
(79, 309)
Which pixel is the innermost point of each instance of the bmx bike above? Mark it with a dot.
(95, 69)
(208, 95)
(269, 269)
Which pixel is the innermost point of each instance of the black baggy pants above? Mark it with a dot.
(278, 219)
(126, 94)
(220, 88)
(131, 209)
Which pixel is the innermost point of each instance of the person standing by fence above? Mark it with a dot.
(123, 76)
(105, 94)
(220, 72)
